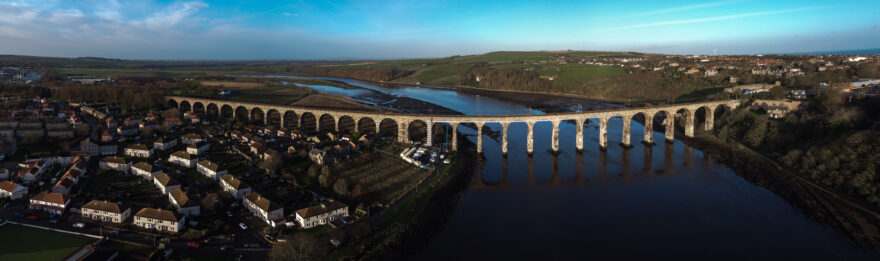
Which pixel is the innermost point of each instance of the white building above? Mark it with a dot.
(115, 163)
(321, 214)
(264, 209)
(105, 211)
(184, 204)
(158, 219)
(191, 138)
(197, 148)
(165, 183)
(11, 190)
(211, 170)
(138, 150)
(183, 159)
(234, 186)
(164, 144)
(51, 202)
(145, 170)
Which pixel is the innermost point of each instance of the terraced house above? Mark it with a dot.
(138, 150)
(165, 183)
(234, 186)
(321, 214)
(184, 204)
(12, 191)
(192, 138)
(145, 170)
(158, 219)
(211, 170)
(115, 163)
(183, 159)
(164, 143)
(197, 148)
(54, 203)
(105, 211)
(264, 209)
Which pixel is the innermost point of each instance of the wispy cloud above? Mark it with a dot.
(289, 14)
(681, 8)
(708, 19)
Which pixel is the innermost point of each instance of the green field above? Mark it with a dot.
(19, 243)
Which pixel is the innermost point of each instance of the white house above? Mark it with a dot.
(191, 138)
(138, 150)
(211, 169)
(183, 159)
(164, 144)
(234, 186)
(105, 211)
(184, 204)
(165, 183)
(145, 170)
(115, 163)
(158, 219)
(197, 148)
(11, 190)
(51, 202)
(321, 214)
(264, 209)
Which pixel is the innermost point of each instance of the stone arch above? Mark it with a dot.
(226, 112)
(417, 131)
(388, 127)
(212, 111)
(273, 118)
(198, 108)
(346, 124)
(702, 117)
(647, 121)
(185, 106)
(327, 123)
(684, 120)
(720, 110)
(290, 120)
(173, 104)
(242, 114)
(366, 125)
(258, 115)
(309, 122)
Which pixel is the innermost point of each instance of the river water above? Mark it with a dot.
(661, 201)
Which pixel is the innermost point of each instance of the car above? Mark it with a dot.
(32, 217)
(79, 225)
(193, 244)
(271, 238)
(229, 213)
(226, 247)
(53, 221)
(113, 232)
(17, 214)
(242, 226)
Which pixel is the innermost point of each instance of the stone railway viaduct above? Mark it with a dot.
(366, 122)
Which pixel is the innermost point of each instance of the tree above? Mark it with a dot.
(302, 246)
(341, 187)
(82, 130)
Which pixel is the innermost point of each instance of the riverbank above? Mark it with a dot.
(402, 230)
(823, 205)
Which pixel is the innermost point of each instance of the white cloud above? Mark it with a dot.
(708, 19)
(66, 16)
(289, 14)
(173, 15)
(681, 8)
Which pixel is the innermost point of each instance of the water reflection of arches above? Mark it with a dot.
(606, 170)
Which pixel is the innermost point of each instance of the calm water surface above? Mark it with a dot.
(665, 201)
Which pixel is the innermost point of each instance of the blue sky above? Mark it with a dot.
(148, 29)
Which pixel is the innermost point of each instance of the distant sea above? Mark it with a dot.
(842, 52)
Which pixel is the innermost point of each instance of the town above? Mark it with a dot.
(171, 180)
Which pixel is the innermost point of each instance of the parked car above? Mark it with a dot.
(53, 221)
(242, 226)
(32, 217)
(79, 225)
(226, 247)
(17, 214)
(271, 238)
(229, 213)
(113, 232)
(193, 244)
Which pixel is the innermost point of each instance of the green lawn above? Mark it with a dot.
(19, 243)
(573, 74)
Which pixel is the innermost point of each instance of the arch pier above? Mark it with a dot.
(383, 123)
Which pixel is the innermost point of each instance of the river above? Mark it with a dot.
(661, 201)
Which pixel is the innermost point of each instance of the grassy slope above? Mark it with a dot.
(18, 243)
